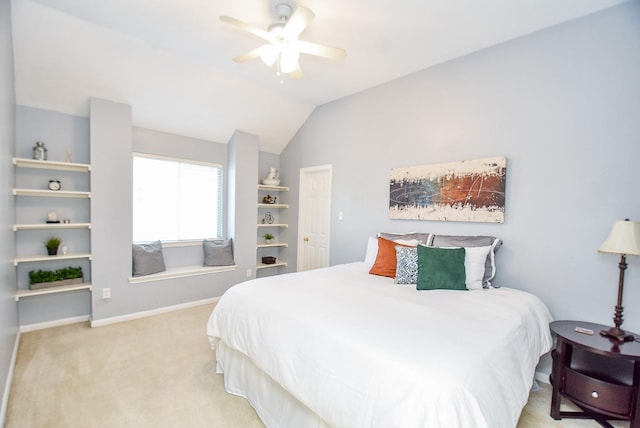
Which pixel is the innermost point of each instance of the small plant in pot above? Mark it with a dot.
(52, 245)
(268, 238)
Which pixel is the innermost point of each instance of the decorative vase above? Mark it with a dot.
(273, 178)
(39, 151)
(268, 241)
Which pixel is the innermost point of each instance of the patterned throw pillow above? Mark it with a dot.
(407, 265)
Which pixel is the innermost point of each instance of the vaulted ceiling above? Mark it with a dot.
(172, 60)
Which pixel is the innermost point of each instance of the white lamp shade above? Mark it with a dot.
(269, 54)
(288, 57)
(624, 238)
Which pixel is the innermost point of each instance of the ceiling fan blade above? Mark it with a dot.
(263, 34)
(252, 54)
(321, 50)
(297, 23)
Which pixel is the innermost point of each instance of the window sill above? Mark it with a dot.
(181, 272)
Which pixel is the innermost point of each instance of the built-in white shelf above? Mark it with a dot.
(51, 226)
(273, 188)
(51, 290)
(51, 193)
(30, 259)
(273, 206)
(38, 260)
(52, 165)
(262, 189)
(265, 266)
(273, 244)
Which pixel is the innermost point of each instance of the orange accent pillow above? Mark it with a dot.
(386, 260)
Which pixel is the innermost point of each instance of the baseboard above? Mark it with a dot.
(9, 381)
(56, 323)
(144, 314)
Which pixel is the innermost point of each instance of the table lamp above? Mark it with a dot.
(624, 239)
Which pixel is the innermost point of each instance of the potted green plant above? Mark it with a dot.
(47, 278)
(268, 238)
(52, 245)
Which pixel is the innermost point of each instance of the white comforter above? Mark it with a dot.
(360, 351)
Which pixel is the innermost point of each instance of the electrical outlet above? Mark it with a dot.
(249, 273)
(106, 293)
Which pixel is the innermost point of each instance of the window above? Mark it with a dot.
(176, 199)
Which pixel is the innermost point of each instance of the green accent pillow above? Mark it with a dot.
(441, 268)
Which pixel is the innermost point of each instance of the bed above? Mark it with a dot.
(341, 347)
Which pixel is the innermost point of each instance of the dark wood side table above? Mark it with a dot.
(599, 375)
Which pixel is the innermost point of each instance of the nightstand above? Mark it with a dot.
(599, 375)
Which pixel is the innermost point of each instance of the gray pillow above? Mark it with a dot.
(423, 238)
(218, 252)
(473, 241)
(147, 258)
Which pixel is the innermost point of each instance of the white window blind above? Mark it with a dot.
(175, 199)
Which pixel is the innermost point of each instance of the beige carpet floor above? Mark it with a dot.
(153, 372)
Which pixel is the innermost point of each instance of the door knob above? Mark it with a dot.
(306, 239)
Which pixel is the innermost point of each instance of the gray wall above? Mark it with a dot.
(242, 178)
(561, 104)
(8, 307)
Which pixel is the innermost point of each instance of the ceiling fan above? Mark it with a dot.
(284, 47)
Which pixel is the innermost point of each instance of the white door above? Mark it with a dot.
(314, 217)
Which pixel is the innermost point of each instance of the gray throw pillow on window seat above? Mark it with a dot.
(218, 252)
(148, 258)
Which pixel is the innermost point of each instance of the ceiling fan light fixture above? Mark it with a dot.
(284, 47)
(269, 54)
(289, 55)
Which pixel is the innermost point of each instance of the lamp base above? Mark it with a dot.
(618, 334)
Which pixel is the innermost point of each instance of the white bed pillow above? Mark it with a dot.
(451, 241)
(474, 264)
(372, 252)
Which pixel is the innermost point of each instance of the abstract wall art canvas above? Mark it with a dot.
(471, 190)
